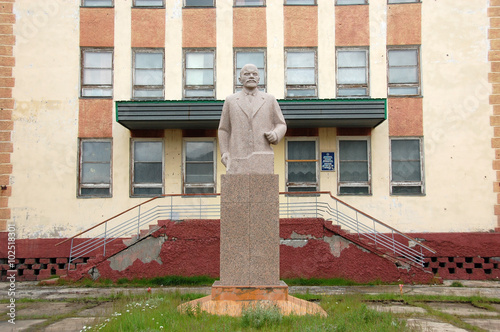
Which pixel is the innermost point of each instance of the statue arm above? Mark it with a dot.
(224, 133)
(279, 122)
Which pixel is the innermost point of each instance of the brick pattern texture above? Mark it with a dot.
(7, 82)
(494, 79)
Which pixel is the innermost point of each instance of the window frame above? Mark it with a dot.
(354, 184)
(83, 86)
(147, 87)
(198, 87)
(109, 6)
(81, 185)
(132, 168)
(420, 183)
(351, 4)
(289, 184)
(246, 5)
(213, 184)
(302, 86)
(237, 86)
(191, 6)
(366, 85)
(417, 85)
(134, 5)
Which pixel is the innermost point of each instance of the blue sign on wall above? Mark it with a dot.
(327, 161)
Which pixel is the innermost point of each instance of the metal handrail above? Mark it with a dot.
(340, 212)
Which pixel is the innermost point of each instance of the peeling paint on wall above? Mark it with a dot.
(146, 251)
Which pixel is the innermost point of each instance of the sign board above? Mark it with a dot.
(327, 161)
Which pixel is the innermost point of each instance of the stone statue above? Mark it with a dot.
(251, 120)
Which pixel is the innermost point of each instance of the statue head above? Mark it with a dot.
(249, 76)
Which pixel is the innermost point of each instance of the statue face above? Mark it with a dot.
(249, 76)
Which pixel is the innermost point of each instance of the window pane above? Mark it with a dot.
(94, 191)
(405, 149)
(300, 59)
(353, 150)
(97, 76)
(249, 2)
(352, 92)
(406, 171)
(148, 77)
(97, 59)
(403, 1)
(351, 2)
(96, 151)
(200, 93)
(403, 58)
(96, 92)
(301, 150)
(300, 76)
(199, 76)
(148, 151)
(354, 190)
(148, 3)
(407, 190)
(199, 3)
(148, 60)
(302, 172)
(147, 191)
(351, 76)
(147, 172)
(351, 59)
(244, 58)
(403, 91)
(201, 190)
(96, 173)
(199, 151)
(300, 2)
(148, 93)
(298, 189)
(301, 93)
(200, 60)
(403, 75)
(97, 3)
(200, 173)
(353, 171)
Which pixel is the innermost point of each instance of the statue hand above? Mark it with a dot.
(272, 137)
(225, 158)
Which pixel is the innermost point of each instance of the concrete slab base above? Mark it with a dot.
(232, 300)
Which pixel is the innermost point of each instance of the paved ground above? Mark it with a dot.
(80, 314)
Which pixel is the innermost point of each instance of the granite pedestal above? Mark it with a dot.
(249, 251)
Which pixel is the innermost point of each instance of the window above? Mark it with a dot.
(354, 167)
(148, 3)
(148, 74)
(249, 2)
(403, 1)
(406, 166)
(404, 73)
(199, 78)
(199, 166)
(147, 168)
(300, 75)
(352, 73)
(351, 2)
(198, 3)
(301, 164)
(300, 2)
(244, 57)
(97, 73)
(97, 3)
(94, 168)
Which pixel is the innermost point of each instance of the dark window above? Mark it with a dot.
(301, 165)
(354, 167)
(147, 168)
(406, 166)
(95, 168)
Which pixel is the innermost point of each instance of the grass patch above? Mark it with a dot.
(158, 312)
(143, 282)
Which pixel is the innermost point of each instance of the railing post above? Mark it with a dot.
(393, 245)
(357, 224)
(337, 208)
(171, 207)
(105, 235)
(70, 253)
(200, 207)
(374, 232)
(139, 222)
(316, 206)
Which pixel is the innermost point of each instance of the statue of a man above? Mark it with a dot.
(251, 120)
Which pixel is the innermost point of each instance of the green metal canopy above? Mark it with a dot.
(205, 114)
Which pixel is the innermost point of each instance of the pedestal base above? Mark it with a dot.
(232, 300)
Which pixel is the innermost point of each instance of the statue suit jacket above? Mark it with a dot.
(242, 125)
